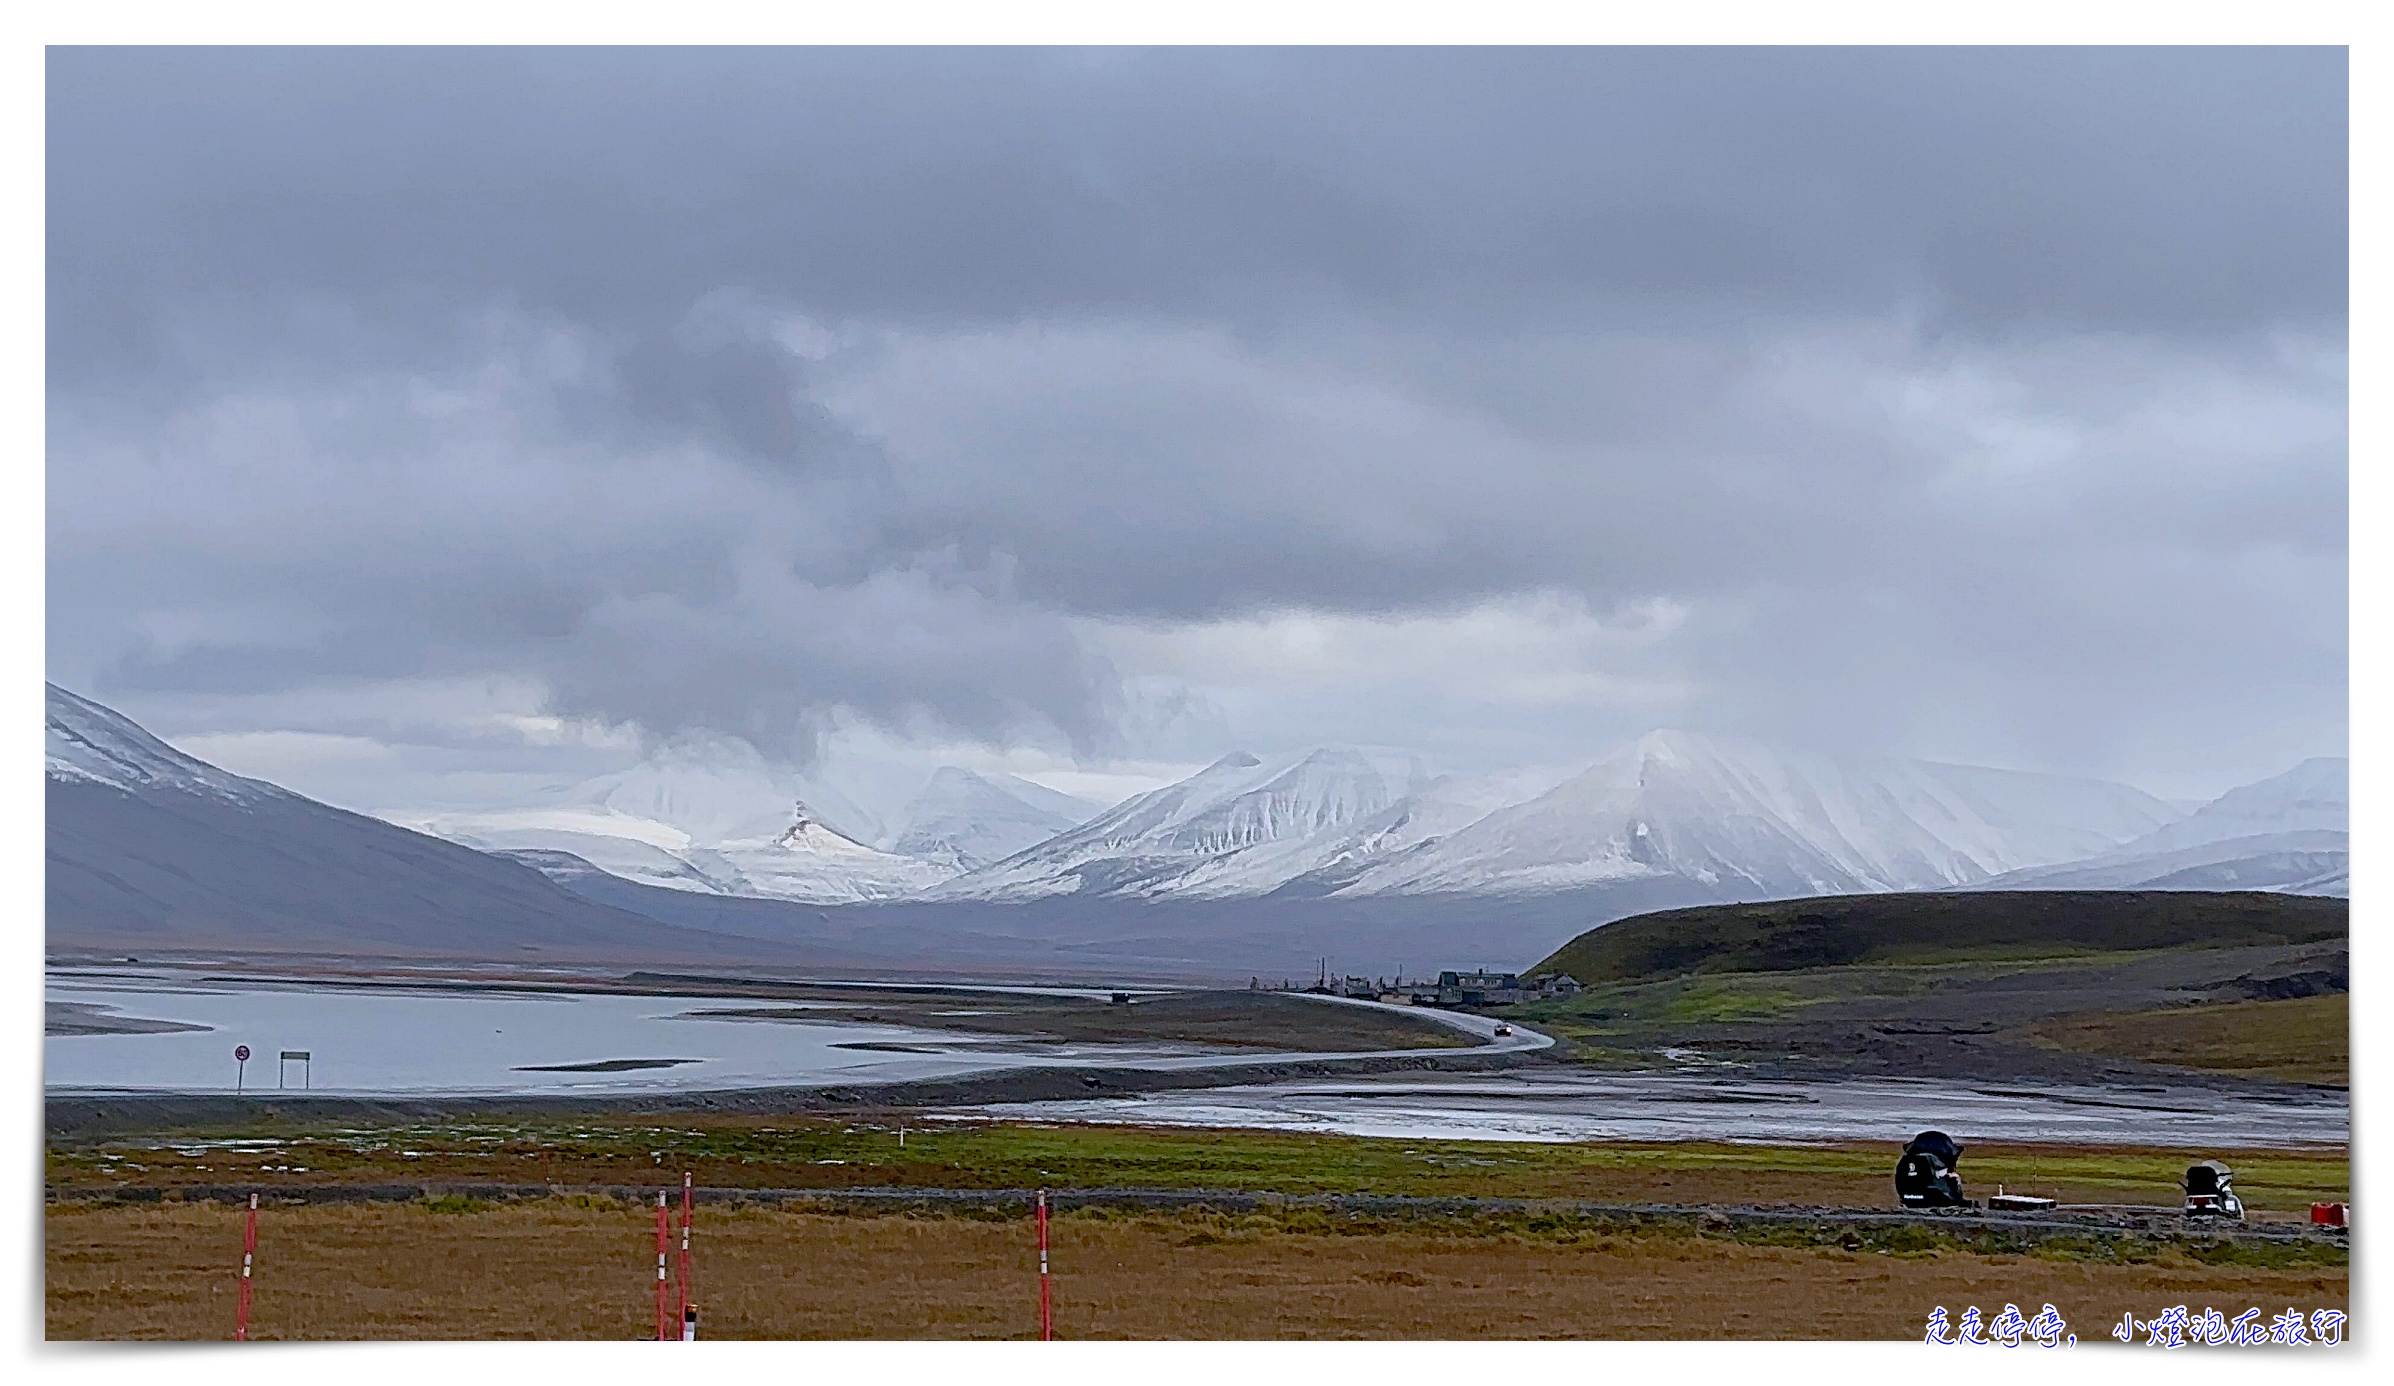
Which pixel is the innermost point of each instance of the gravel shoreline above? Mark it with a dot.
(95, 1115)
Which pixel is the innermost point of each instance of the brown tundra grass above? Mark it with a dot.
(563, 1268)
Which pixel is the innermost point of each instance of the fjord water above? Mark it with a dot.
(409, 1040)
(400, 1040)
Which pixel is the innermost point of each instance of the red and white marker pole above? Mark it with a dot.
(1047, 1308)
(689, 1320)
(663, 1335)
(249, 1256)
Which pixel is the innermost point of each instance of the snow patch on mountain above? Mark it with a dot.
(810, 862)
(963, 820)
(1142, 845)
(632, 848)
(1322, 863)
(84, 742)
(2290, 832)
(1747, 820)
(2315, 796)
(714, 794)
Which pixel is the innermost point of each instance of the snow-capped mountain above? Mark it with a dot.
(712, 819)
(1728, 819)
(148, 846)
(2315, 796)
(963, 820)
(2290, 832)
(85, 743)
(716, 793)
(685, 829)
(1747, 820)
(1323, 863)
(812, 863)
(807, 861)
(636, 849)
(1143, 845)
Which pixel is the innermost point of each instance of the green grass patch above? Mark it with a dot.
(2307, 1040)
(829, 1153)
(1645, 1009)
(1836, 931)
(454, 1203)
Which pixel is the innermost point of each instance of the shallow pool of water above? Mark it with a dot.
(1708, 1106)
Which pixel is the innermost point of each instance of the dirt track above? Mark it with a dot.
(1817, 1223)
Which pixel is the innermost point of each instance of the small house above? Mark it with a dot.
(1482, 988)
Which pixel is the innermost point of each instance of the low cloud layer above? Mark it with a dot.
(1106, 407)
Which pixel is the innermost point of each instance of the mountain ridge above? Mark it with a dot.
(147, 847)
(1741, 816)
(2289, 832)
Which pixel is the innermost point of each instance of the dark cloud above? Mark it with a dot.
(1978, 400)
(2168, 187)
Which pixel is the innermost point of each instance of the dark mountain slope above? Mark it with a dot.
(149, 848)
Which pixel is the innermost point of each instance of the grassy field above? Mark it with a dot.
(583, 1268)
(2306, 1040)
(743, 1152)
(2130, 1005)
(1835, 931)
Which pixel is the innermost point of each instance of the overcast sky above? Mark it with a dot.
(427, 427)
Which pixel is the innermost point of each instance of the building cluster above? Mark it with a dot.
(1481, 988)
(1492, 989)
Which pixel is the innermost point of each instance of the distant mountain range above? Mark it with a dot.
(1742, 818)
(1726, 819)
(1272, 860)
(2288, 833)
(692, 827)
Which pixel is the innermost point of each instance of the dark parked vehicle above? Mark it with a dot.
(1926, 1176)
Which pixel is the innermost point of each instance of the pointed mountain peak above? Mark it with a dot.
(807, 833)
(1674, 748)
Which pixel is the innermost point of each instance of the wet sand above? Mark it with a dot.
(78, 1018)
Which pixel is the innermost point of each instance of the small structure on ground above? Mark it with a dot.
(1928, 1175)
(1481, 988)
(2210, 1191)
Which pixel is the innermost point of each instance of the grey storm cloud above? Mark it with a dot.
(2182, 187)
(721, 389)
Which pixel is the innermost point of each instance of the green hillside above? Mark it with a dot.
(1830, 931)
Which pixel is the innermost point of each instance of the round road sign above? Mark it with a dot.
(241, 1052)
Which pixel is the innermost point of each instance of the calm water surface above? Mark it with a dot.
(405, 1040)
(1709, 1106)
